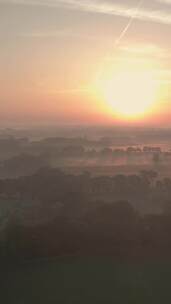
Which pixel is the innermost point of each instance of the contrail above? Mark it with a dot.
(120, 38)
(133, 16)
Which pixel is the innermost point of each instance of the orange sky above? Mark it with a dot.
(53, 51)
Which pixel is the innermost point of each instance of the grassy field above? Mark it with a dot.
(85, 280)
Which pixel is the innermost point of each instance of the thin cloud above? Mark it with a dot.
(146, 50)
(161, 16)
(164, 1)
(58, 34)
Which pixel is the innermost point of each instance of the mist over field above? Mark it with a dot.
(76, 183)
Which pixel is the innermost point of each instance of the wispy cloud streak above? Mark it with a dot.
(162, 16)
(164, 1)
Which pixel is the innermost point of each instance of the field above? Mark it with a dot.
(85, 281)
(110, 170)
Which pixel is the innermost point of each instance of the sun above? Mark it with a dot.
(131, 93)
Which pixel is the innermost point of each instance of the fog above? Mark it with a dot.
(99, 150)
(75, 183)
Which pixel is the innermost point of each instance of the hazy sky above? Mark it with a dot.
(51, 52)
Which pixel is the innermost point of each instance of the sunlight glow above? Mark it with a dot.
(131, 92)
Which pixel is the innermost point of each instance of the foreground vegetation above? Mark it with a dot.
(86, 280)
(60, 214)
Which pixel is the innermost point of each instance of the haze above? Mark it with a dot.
(53, 51)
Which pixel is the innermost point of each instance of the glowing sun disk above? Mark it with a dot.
(130, 93)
